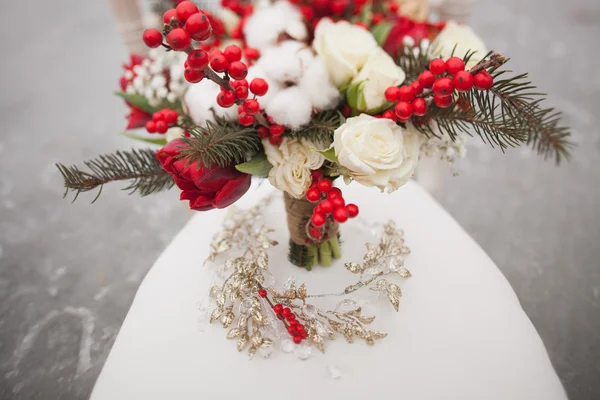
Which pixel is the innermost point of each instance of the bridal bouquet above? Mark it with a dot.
(305, 93)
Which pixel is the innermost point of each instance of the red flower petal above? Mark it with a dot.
(232, 191)
(137, 118)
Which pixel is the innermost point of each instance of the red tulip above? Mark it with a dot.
(205, 188)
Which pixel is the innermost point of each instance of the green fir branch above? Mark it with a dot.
(140, 167)
(321, 127)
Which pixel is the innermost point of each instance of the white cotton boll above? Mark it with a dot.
(158, 81)
(162, 92)
(228, 114)
(290, 108)
(256, 71)
(263, 28)
(200, 99)
(317, 86)
(287, 61)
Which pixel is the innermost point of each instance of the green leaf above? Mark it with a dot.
(158, 141)
(381, 32)
(329, 154)
(258, 166)
(138, 101)
(367, 14)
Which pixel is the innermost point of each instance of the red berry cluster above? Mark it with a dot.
(441, 80)
(273, 132)
(161, 120)
(331, 204)
(295, 327)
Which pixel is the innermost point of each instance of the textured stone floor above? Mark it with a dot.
(68, 272)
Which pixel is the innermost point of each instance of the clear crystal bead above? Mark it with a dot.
(289, 282)
(268, 279)
(309, 310)
(368, 274)
(347, 305)
(287, 346)
(302, 351)
(396, 264)
(321, 329)
(246, 305)
(265, 352)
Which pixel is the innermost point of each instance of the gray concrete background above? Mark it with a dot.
(68, 272)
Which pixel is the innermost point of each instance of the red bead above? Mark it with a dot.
(158, 116)
(442, 101)
(483, 80)
(238, 70)
(318, 219)
(392, 93)
(168, 15)
(403, 110)
(417, 86)
(340, 214)
(251, 106)
(437, 66)
(259, 86)
(186, 9)
(263, 132)
(352, 210)
(286, 312)
(246, 119)
(426, 79)
(276, 130)
(170, 116)
(443, 87)
(152, 38)
(419, 106)
(406, 93)
(262, 293)
(389, 114)
(297, 339)
(241, 93)
(219, 63)
(275, 140)
(161, 127)
(198, 59)
(233, 53)
(226, 98)
(151, 126)
(324, 185)
(326, 206)
(333, 193)
(278, 308)
(454, 64)
(338, 202)
(193, 75)
(463, 81)
(251, 53)
(179, 39)
(198, 26)
(313, 195)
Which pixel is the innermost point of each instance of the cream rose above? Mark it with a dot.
(344, 48)
(367, 90)
(376, 151)
(292, 163)
(461, 36)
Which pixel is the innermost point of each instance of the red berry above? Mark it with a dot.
(226, 98)
(315, 233)
(168, 15)
(437, 66)
(389, 114)
(291, 317)
(291, 330)
(338, 6)
(262, 293)
(240, 83)
(251, 106)
(246, 119)
(333, 193)
(463, 81)
(286, 312)
(304, 335)
(275, 140)
(263, 132)
(278, 308)
(193, 75)
(170, 116)
(403, 110)
(324, 185)
(198, 59)
(426, 79)
(259, 86)
(233, 53)
(443, 87)
(392, 93)
(186, 9)
(276, 130)
(340, 214)
(152, 38)
(352, 210)
(454, 64)
(297, 339)
(241, 93)
(406, 93)
(313, 195)
(318, 219)
(238, 70)
(326, 206)
(346, 110)
(151, 126)
(158, 116)
(419, 106)
(179, 39)
(316, 175)
(198, 26)
(417, 86)
(161, 127)
(219, 63)
(442, 101)
(307, 13)
(483, 80)
(338, 202)
(251, 53)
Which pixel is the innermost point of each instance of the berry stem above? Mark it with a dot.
(272, 305)
(495, 60)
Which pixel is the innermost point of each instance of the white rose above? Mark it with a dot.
(376, 151)
(292, 163)
(344, 48)
(367, 90)
(465, 40)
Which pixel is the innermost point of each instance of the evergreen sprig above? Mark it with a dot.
(140, 167)
(321, 127)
